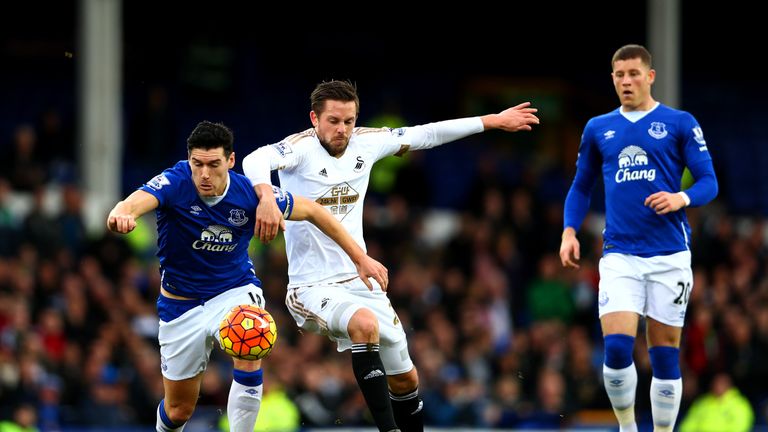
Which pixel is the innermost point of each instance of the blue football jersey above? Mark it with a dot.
(638, 159)
(203, 250)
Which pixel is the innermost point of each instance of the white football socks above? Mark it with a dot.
(621, 386)
(665, 403)
(243, 406)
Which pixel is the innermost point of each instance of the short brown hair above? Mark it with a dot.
(632, 51)
(343, 91)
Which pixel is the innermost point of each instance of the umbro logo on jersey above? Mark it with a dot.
(195, 210)
(323, 172)
(609, 134)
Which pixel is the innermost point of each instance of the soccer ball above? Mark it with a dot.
(248, 332)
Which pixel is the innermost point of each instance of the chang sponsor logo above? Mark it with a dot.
(215, 238)
(632, 161)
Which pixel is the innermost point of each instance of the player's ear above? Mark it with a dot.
(313, 117)
(231, 160)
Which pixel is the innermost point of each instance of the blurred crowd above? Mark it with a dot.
(502, 335)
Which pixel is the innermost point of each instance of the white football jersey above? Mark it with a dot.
(339, 185)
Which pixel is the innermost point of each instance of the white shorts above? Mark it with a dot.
(186, 342)
(327, 308)
(658, 287)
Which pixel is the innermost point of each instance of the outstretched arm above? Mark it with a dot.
(518, 118)
(122, 218)
(305, 209)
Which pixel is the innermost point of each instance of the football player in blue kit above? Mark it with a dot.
(641, 149)
(204, 224)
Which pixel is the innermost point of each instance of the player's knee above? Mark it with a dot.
(618, 350)
(403, 383)
(363, 327)
(179, 413)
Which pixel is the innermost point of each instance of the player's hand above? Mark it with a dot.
(370, 268)
(121, 223)
(269, 219)
(665, 202)
(570, 250)
(518, 118)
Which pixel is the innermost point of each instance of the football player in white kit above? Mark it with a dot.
(203, 211)
(331, 163)
(641, 149)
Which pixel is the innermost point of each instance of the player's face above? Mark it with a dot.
(334, 125)
(632, 80)
(210, 170)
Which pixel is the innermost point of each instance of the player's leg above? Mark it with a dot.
(184, 351)
(667, 382)
(668, 293)
(407, 406)
(402, 377)
(245, 395)
(363, 329)
(247, 389)
(621, 301)
(178, 403)
(619, 372)
(343, 312)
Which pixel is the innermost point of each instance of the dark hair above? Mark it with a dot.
(343, 91)
(207, 135)
(631, 51)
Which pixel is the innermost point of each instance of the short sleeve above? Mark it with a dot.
(164, 185)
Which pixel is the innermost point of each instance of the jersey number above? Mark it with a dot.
(685, 293)
(256, 301)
